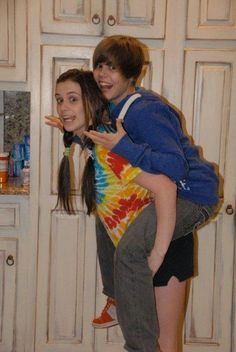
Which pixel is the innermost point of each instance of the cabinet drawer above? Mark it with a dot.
(9, 215)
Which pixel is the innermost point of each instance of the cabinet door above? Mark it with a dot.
(208, 104)
(13, 40)
(211, 19)
(17, 275)
(7, 294)
(67, 249)
(72, 16)
(143, 19)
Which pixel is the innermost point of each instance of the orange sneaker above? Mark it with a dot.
(108, 316)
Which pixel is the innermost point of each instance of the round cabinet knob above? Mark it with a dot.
(96, 19)
(111, 21)
(10, 260)
(229, 209)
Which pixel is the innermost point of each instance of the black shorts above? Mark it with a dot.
(178, 261)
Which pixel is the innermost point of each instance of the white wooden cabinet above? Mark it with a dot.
(13, 34)
(192, 62)
(15, 258)
(200, 80)
(144, 19)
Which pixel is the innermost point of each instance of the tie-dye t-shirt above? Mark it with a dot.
(119, 199)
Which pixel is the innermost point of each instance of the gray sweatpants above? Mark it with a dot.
(126, 274)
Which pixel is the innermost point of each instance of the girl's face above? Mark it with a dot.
(70, 106)
(112, 83)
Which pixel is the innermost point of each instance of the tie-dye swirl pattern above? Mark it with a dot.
(119, 199)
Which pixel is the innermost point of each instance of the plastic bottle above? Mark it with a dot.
(25, 176)
(4, 158)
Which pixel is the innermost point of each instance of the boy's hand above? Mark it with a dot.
(107, 140)
(54, 121)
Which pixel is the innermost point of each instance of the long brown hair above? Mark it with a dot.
(96, 113)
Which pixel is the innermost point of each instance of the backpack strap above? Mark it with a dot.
(127, 105)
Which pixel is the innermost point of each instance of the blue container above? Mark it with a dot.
(17, 167)
(26, 147)
(18, 152)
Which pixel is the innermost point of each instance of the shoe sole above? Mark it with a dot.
(105, 325)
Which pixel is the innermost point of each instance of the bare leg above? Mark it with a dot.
(170, 305)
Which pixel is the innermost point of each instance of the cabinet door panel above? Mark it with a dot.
(7, 294)
(9, 216)
(72, 16)
(211, 19)
(57, 59)
(66, 279)
(13, 40)
(143, 19)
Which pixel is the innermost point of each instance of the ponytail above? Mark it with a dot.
(88, 184)
(88, 191)
(64, 198)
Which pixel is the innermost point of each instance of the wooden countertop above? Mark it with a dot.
(14, 186)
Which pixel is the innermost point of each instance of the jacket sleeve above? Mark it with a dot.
(153, 143)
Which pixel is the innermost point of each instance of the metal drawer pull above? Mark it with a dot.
(111, 21)
(96, 19)
(229, 209)
(10, 260)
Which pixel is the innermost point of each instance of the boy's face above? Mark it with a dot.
(112, 83)
(70, 106)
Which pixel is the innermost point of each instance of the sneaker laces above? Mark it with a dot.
(110, 302)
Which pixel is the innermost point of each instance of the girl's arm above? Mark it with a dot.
(165, 202)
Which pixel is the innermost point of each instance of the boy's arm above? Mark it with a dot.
(154, 156)
(165, 202)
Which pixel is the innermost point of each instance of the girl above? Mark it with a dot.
(118, 201)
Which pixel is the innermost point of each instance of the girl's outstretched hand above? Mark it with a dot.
(54, 121)
(107, 140)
